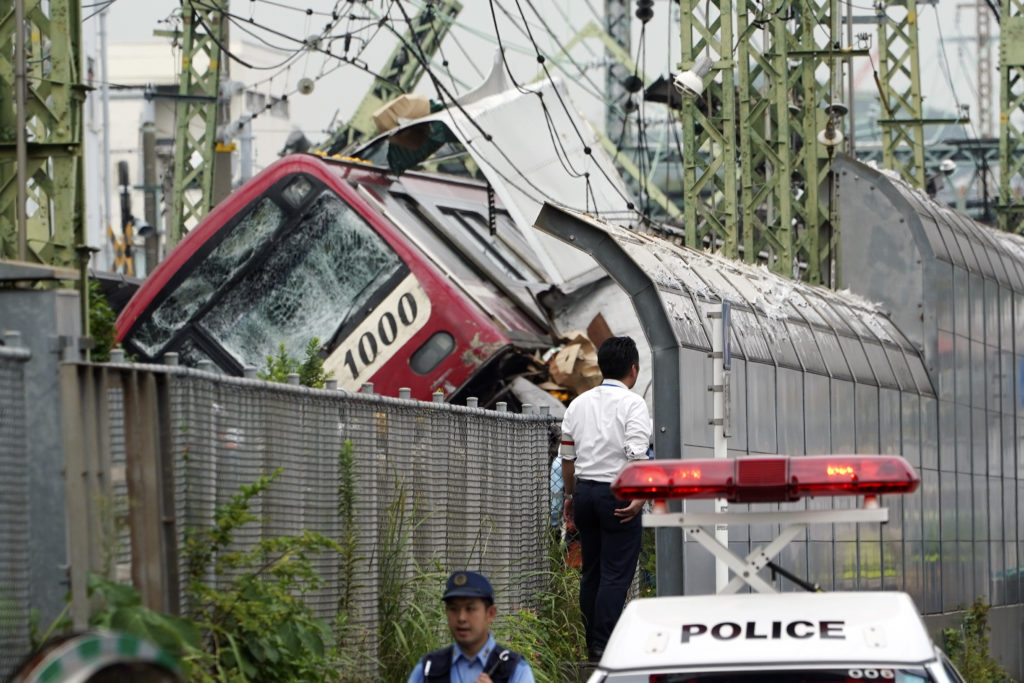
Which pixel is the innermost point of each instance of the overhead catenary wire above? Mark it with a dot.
(446, 95)
(307, 46)
(305, 42)
(105, 6)
(542, 61)
(596, 89)
(308, 11)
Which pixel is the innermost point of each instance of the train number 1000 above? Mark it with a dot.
(386, 333)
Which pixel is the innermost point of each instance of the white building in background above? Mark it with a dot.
(142, 91)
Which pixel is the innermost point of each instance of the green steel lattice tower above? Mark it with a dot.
(52, 120)
(1011, 116)
(205, 30)
(900, 82)
(754, 170)
(400, 74)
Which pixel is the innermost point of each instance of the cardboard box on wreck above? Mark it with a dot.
(403, 109)
(575, 365)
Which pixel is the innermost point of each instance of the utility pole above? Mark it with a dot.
(199, 90)
(118, 249)
(151, 207)
(41, 217)
(710, 201)
(766, 139)
(19, 104)
(1011, 115)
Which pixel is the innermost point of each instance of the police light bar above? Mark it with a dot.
(762, 479)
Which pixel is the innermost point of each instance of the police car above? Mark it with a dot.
(765, 636)
(769, 638)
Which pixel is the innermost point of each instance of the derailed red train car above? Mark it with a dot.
(414, 281)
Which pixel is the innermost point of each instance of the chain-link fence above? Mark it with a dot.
(435, 485)
(14, 522)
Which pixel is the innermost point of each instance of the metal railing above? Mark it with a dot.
(152, 451)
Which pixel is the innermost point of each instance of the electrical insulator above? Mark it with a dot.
(633, 83)
(644, 10)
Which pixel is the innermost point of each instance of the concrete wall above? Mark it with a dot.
(1006, 635)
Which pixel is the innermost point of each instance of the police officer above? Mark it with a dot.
(474, 657)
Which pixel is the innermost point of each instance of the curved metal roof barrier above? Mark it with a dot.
(775, 320)
(943, 233)
(775, 323)
(936, 271)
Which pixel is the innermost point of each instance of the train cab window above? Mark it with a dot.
(433, 351)
(209, 274)
(313, 283)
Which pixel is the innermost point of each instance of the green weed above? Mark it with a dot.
(968, 647)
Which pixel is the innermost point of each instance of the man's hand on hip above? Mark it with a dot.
(630, 511)
(567, 516)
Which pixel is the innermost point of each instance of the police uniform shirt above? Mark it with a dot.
(603, 428)
(466, 670)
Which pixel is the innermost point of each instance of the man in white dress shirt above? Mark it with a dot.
(603, 429)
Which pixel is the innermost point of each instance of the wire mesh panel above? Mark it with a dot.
(435, 486)
(14, 523)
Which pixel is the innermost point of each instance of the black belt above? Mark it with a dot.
(591, 482)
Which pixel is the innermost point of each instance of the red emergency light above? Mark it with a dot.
(762, 479)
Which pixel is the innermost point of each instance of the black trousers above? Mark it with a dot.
(610, 550)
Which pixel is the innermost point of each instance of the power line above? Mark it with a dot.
(444, 93)
(309, 11)
(106, 5)
(586, 149)
(311, 46)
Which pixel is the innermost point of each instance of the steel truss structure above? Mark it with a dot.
(41, 193)
(756, 157)
(900, 83)
(205, 30)
(793, 524)
(1011, 116)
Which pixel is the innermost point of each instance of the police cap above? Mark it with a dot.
(466, 584)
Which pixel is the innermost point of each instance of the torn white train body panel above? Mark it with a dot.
(533, 146)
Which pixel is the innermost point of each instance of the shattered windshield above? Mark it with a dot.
(330, 267)
(217, 268)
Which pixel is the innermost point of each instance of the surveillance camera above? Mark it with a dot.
(306, 85)
(947, 166)
(143, 229)
(690, 84)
